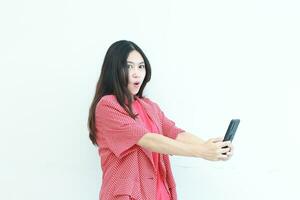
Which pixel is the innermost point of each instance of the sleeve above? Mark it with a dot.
(169, 127)
(118, 129)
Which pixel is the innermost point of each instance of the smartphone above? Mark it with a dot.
(233, 125)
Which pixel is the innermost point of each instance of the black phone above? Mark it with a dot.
(233, 125)
(231, 130)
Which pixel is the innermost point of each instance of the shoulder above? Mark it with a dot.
(146, 100)
(109, 102)
(108, 99)
(150, 102)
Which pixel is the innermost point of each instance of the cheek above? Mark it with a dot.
(129, 77)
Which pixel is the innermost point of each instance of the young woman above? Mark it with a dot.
(133, 135)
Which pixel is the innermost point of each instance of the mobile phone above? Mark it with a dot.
(234, 123)
(231, 130)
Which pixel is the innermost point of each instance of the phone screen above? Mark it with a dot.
(232, 127)
(234, 123)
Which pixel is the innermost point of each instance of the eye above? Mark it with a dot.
(142, 66)
(129, 66)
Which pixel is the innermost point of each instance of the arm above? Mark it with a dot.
(176, 141)
(165, 145)
(210, 150)
(189, 138)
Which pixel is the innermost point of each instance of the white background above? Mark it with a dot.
(212, 61)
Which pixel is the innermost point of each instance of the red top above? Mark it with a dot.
(161, 192)
(128, 170)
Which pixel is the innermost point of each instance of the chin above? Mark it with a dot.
(134, 93)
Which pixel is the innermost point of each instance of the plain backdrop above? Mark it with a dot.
(212, 61)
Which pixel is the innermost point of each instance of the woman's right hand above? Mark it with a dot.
(213, 149)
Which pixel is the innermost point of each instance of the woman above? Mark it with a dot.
(133, 134)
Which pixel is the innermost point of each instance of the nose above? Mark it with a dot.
(136, 72)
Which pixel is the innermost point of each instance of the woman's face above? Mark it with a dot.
(136, 71)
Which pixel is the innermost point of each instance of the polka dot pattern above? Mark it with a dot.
(128, 171)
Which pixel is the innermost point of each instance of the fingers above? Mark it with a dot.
(226, 157)
(218, 139)
(223, 157)
(219, 150)
(228, 154)
(224, 144)
(224, 150)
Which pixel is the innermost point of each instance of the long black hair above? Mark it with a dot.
(114, 80)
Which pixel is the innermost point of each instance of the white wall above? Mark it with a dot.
(212, 61)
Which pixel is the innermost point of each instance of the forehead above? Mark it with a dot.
(135, 57)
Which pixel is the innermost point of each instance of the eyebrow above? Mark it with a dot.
(134, 63)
